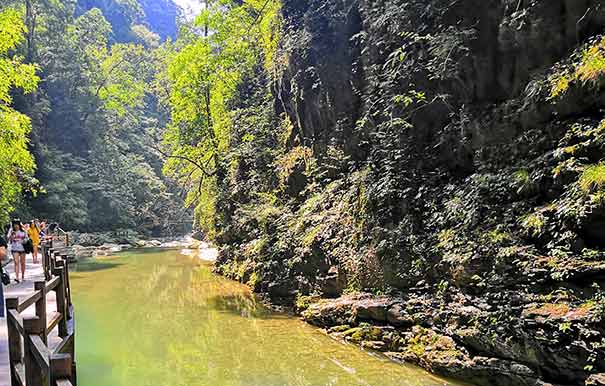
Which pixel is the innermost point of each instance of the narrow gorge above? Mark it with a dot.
(424, 179)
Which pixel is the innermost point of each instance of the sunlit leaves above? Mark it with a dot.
(120, 85)
(12, 30)
(16, 163)
(210, 61)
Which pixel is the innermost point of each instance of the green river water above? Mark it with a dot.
(160, 318)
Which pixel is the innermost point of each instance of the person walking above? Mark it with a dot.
(34, 235)
(17, 237)
(3, 254)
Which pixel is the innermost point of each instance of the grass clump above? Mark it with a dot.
(588, 71)
(534, 223)
(521, 177)
(497, 236)
(310, 237)
(592, 178)
(255, 280)
(592, 66)
(446, 239)
(560, 84)
(298, 156)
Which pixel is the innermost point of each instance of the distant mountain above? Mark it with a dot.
(160, 16)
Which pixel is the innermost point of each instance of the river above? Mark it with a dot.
(160, 318)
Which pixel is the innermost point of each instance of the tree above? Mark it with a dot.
(210, 61)
(96, 113)
(16, 162)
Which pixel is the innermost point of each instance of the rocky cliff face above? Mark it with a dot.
(448, 156)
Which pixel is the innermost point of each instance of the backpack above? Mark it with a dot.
(6, 279)
(28, 246)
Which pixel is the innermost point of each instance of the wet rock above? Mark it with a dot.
(110, 247)
(376, 345)
(373, 309)
(397, 316)
(278, 290)
(140, 243)
(199, 236)
(404, 357)
(332, 284)
(154, 243)
(596, 380)
(499, 372)
(80, 252)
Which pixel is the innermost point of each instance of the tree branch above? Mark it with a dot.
(195, 163)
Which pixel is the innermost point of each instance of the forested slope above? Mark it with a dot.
(95, 115)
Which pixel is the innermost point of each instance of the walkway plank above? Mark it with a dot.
(33, 273)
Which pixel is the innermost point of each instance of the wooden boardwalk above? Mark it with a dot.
(33, 272)
(37, 335)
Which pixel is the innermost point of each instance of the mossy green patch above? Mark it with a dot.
(588, 70)
(592, 178)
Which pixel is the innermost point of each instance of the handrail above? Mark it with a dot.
(32, 361)
(65, 234)
(28, 301)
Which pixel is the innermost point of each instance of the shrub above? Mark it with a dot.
(534, 223)
(592, 67)
(588, 71)
(592, 178)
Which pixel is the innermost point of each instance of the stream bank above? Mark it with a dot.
(86, 245)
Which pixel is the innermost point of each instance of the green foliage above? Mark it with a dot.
(93, 121)
(210, 60)
(592, 178)
(121, 14)
(16, 162)
(534, 223)
(588, 70)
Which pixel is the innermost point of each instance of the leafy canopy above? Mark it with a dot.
(16, 162)
(209, 62)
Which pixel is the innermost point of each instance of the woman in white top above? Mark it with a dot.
(16, 237)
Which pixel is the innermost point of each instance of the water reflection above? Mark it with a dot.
(163, 319)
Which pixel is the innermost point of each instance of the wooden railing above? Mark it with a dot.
(33, 362)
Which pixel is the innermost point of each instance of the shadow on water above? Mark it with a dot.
(94, 266)
(244, 305)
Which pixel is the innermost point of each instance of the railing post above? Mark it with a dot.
(62, 307)
(66, 278)
(43, 253)
(15, 352)
(41, 307)
(48, 250)
(61, 368)
(34, 375)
